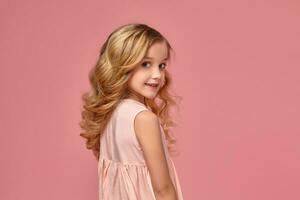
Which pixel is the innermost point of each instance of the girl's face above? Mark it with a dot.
(150, 71)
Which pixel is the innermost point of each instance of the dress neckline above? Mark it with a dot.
(132, 100)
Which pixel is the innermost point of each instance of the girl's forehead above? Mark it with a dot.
(158, 50)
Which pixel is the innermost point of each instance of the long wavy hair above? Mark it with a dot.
(122, 51)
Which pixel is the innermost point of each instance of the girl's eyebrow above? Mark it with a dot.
(146, 57)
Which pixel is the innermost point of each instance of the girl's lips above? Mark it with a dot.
(151, 85)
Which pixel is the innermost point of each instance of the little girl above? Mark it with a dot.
(124, 125)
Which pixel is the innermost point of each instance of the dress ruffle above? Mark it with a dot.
(131, 180)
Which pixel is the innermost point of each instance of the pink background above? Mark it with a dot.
(236, 67)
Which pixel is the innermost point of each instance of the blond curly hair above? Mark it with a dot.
(123, 50)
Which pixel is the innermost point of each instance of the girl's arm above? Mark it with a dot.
(147, 130)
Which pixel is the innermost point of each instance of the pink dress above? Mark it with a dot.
(122, 171)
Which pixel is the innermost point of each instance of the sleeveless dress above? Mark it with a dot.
(122, 170)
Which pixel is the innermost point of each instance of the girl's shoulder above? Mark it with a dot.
(129, 108)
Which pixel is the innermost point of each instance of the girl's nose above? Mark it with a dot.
(156, 73)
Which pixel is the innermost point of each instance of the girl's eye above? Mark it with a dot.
(164, 65)
(145, 63)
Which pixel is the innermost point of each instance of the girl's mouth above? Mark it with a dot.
(154, 85)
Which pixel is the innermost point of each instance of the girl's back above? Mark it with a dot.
(123, 173)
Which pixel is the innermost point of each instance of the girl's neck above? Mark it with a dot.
(138, 98)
